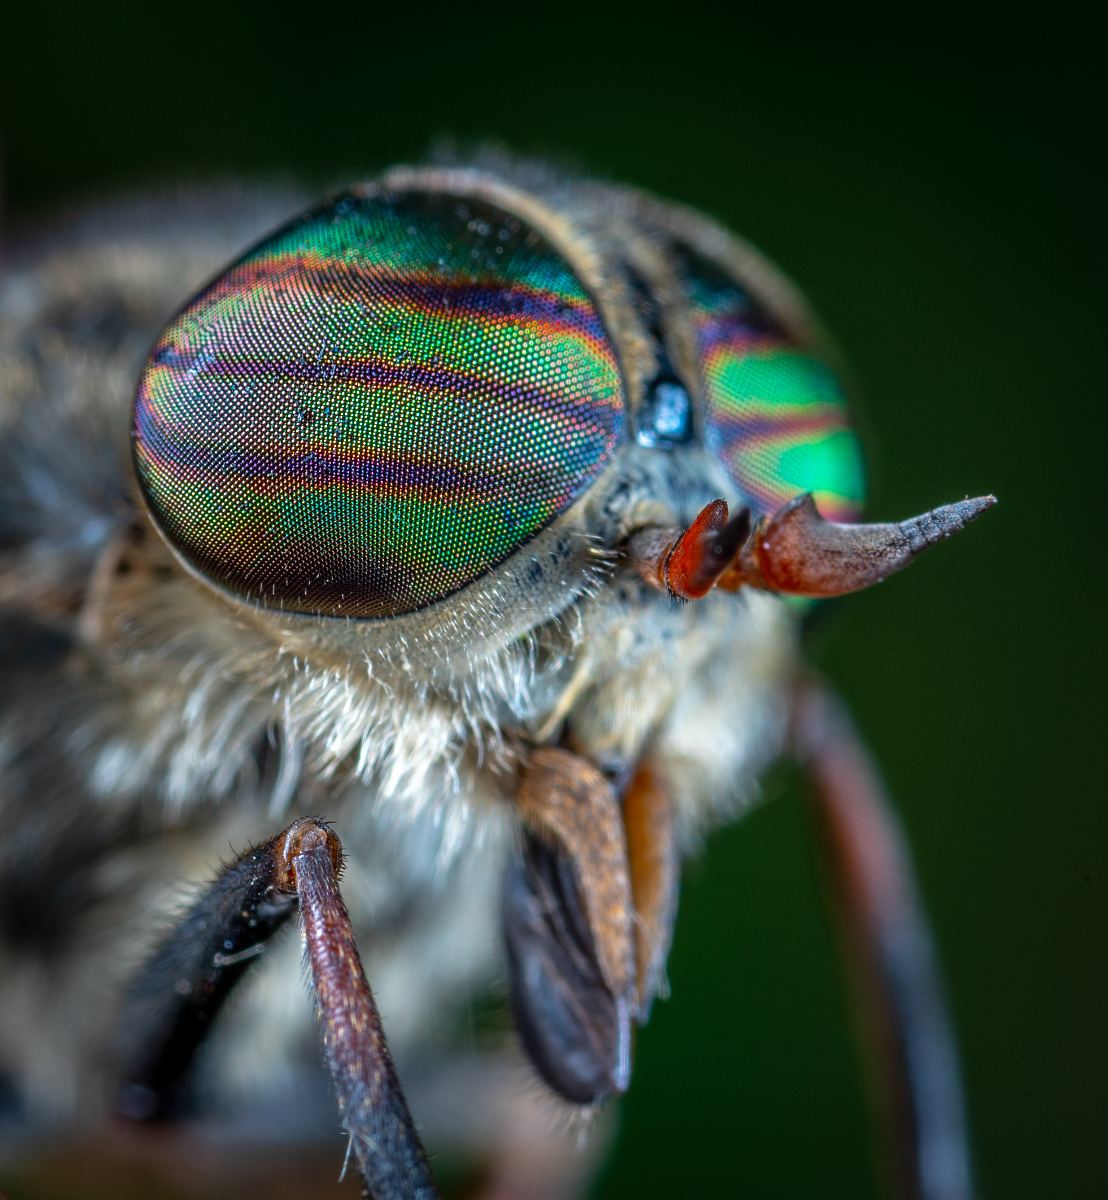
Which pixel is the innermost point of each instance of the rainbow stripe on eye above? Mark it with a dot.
(775, 416)
(375, 406)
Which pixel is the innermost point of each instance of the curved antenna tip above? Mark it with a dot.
(973, 507)
(797, 552)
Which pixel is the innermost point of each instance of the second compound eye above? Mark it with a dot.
(376, 405)
(775, 415)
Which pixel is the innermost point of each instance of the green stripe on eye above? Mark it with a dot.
(776, 378)
(829, 467)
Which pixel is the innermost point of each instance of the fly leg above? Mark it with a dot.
(909, 1040)
(186, 982)
(171, 1004)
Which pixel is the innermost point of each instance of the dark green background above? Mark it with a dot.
(934, 188)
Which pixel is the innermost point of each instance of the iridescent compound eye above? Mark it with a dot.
(775, 415)
(376, 405)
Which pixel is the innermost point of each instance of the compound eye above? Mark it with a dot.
(376, 405)
(774, 415)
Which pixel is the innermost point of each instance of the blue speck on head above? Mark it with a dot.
(666, 415)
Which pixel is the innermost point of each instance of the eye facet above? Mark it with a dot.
(775, 415)
(376, 405)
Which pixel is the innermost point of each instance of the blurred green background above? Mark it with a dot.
(934, 187)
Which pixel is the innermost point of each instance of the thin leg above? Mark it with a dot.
(189, 977)
(381, 1129)
(178, 994)
(910, 1043)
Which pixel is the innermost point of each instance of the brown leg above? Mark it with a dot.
(908, 1036)
(383, 1137)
